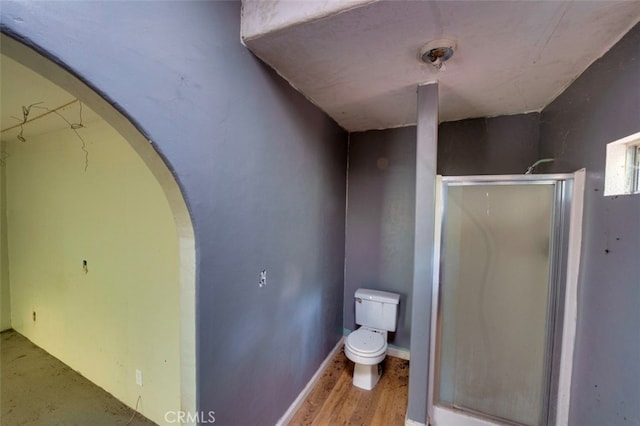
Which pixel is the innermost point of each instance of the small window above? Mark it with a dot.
(622, 173)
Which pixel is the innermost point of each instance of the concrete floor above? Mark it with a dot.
(38, 389)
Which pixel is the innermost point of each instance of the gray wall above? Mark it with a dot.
(262, 170)
(423, 266)
(488, 146)
(381, 192)
(380, 220)
(599, 107)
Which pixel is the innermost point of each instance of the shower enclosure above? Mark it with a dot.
(498, 300)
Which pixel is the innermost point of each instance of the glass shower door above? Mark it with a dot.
(495, 321)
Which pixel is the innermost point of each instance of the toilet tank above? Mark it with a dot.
(377, 309)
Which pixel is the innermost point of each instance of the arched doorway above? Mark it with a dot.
(183, 228)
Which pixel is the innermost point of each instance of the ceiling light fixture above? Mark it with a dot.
(437, 52)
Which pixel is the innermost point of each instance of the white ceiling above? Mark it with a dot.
(360, 65)
(19, 86)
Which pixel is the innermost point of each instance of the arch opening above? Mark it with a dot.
(177, 211)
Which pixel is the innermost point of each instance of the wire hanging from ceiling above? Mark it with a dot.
(75, 126)
(26, 110)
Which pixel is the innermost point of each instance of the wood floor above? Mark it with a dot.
(335, 401)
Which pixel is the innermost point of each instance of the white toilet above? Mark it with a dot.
(376, 313)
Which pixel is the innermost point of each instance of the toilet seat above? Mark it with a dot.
(366, 343)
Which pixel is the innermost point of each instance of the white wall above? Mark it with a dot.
(123, 314)
(5, 303)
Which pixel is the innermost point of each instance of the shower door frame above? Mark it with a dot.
(564, 255)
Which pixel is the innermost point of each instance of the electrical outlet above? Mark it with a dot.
(33, 314)
(138, 377)
(262, 280)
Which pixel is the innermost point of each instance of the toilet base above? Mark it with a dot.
(366, 376)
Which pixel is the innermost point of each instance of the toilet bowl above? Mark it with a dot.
(376, 313)
(367, 348)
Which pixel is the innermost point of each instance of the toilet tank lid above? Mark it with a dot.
(377, 296)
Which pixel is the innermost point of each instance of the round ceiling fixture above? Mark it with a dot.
(437, 52)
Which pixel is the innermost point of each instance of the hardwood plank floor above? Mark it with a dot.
(335, 401)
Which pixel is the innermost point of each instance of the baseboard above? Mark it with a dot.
(409, 422)
(288, 415)
(398, 352)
